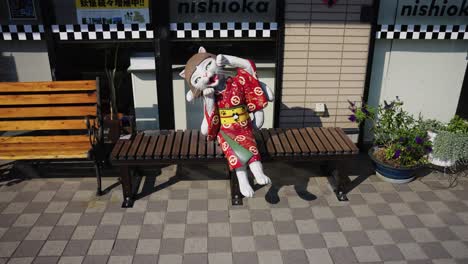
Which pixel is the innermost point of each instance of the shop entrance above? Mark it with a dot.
(250, 34)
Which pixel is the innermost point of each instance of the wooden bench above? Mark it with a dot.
(182, 147)
(50, 121)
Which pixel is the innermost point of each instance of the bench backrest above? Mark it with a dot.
(53, 106)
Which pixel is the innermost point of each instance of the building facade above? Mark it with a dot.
(315, 54)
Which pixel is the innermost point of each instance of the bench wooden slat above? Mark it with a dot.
(260, 143)
(134, 147)
(276, 142)
(177, 144)
(140, 154)
(158, 152)
(340, 141)
(348, 141)
(185, 144)
(15, 112)
(316, 140)
(123, 152)
(44, 139)
(193, 144)
(202, 146)
(323, 140)
(56, 86)
(336, 147)
(210, 149)
(292, 141)
(6, 147)
(48, 99)
(268, 142)
(151, 145)
(300, 141)
(288, 151)
(310, 143)
(116, 150)
(77, 153)
(42, 125)
(168, 146)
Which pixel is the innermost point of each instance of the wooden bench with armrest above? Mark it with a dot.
(51, 121)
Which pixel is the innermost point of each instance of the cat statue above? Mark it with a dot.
(233, 108)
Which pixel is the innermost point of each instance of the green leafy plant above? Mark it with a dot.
(401, 139)
(431, 125)
(457, 125)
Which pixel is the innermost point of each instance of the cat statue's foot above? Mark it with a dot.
(244, 184)
(257, 170)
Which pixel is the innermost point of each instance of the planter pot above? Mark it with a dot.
(392, 174)
(437, 161)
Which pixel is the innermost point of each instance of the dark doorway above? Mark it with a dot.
(462, 109)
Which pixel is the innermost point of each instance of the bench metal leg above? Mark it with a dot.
(236, 195)
(127, 189)
(338, 178)
(98, 168)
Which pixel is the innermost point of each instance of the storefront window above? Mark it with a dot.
(112, 40)
(243, 29)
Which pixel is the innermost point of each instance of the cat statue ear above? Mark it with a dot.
(201, 50)
(189, 96)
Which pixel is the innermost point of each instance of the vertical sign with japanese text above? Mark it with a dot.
(112, 11)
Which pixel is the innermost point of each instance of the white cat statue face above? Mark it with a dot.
(204, 73)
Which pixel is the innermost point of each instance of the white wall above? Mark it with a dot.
(24, 61)
(426, 74)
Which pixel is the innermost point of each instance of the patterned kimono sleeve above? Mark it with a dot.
(213, 123)
(255, 98)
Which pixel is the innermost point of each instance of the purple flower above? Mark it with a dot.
(352, 118)
(419, 140)
(364, 110)
(428, 149)
(397, 154)
(351, 103)
(401, 139)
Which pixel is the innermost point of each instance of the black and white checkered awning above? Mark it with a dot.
(224, 30)
(21, 32)
(103, 31)
(440, 32)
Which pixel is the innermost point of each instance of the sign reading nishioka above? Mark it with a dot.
(434, 8)
(222, 10)
(112, 11)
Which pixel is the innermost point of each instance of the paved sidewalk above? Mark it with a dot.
(59, 220)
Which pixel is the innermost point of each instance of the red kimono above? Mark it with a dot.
(241, 90)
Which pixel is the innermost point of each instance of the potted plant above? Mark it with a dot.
(400, 143)
(450, 141)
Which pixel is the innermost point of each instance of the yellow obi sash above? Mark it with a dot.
(233, 115)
